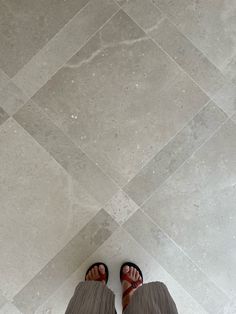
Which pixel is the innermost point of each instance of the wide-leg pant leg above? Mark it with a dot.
(92, 297)
(152, 298)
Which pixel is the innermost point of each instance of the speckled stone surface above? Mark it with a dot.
(117, 142)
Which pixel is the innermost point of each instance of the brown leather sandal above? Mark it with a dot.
(134, 284)
(102, 276)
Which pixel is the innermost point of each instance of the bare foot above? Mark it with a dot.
(97, 273)
(134, 276)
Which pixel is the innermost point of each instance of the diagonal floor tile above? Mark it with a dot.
(3, 79)
(78, 165)
(114, 251)
(210, 25)
(2, 300)
(230, 69)
(179, 149)
(178, 265)
(65, 262)
(64, 45)
(234, 118)
(42, 207)
(12, 98)
(3, 115)
(192, 60)
(27, 26)
(118, 96)
(196, 207)
(225, 98)
(169, 38)
(145, 14)
(9, 309)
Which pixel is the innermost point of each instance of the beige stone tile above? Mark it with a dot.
(64, 45)
(42, 207)
(3, 116)
(117, 249)
(230, 69)
(176, 263)
(118, 96)
(12, 98)
(165, 34)
(174, 154)
(234, 118)
(225, 98)
(2, 300)
(3, 79)
(145, 13)
(196, 208)
(210, 25)
(67, 154)
(230, 308)
(9, 308)
(65, 262)
(192, 60)
(121, 207)
(27, 26)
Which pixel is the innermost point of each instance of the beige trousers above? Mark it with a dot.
(92, 297)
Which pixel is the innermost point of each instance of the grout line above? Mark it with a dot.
(96, 164)
(210, 99)
(60, 252)
(122, 186)
(186, 160)
(183, 252)
(94, 34)
(227, 62)
(227, 80)
(65, 281)
(216, 103)
(76, 145)
(172, 138)
(168, 142)
(167, 54)
(54, 36)
(100, 206)
(81, 47)
(189, 39)
(5, 74)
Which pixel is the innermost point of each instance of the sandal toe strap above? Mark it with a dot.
(134, 284)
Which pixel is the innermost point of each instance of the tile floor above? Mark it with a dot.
(117, 141)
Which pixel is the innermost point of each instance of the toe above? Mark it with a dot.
(96, 273)
(102, 269)
(126, 269)
(136, 275)
(132, 272)
(93, 271)
(89, 275)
